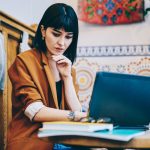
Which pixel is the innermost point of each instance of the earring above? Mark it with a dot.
(43, 37)
(42, 28)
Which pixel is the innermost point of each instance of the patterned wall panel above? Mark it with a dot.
(134, 59)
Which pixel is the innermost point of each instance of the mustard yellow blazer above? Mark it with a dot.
(32, 80)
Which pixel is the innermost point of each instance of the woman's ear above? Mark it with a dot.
(42, 31)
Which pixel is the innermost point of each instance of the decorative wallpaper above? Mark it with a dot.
(111, 11)
(134, 59)
(125, 50)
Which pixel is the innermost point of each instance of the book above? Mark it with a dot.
(123, 135)
(76, 126)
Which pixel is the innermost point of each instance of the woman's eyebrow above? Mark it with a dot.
(69, 33)
(57, 31)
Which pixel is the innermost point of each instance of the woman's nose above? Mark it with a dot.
(61, 41)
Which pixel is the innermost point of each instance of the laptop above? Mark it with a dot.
(122, 98)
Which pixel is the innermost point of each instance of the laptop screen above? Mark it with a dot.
(124, 98)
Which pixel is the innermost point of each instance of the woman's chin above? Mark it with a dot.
(58, 53)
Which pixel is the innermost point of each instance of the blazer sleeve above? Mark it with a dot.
(24, 89)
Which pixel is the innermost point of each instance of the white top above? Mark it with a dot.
(33, 109)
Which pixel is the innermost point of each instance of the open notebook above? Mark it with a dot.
(123, 135)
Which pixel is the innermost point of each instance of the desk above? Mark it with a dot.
(139, 142)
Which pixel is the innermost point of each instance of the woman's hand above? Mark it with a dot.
(63, 65)
(80, 115)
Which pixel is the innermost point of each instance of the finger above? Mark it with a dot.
(64, 61)
(84, 120)
(58, 57)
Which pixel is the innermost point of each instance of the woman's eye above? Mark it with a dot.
(69, 37)
(56, 34)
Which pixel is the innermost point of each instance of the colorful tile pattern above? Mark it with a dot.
(108, 12)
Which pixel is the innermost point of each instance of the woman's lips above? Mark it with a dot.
(59, 49)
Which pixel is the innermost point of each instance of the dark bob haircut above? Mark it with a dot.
(59, 16)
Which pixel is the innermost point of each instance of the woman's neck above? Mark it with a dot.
(49, 55)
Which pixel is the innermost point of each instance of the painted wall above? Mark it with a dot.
(30, 12)
(26, 11)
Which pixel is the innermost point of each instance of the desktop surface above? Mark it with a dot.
(140, 142)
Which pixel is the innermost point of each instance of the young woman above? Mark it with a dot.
(43, 80)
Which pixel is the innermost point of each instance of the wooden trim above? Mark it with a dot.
(5, 100)
(15, 23)
(1, 121)
(12, 31)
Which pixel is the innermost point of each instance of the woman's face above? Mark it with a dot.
(57, 40)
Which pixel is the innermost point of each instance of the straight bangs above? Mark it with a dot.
(64, 22)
